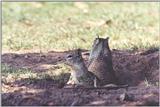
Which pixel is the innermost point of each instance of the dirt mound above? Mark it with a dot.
(131, 96)
(135, 69)
(138, 69)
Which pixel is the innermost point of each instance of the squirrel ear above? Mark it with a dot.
(79, 51)
(107, 37)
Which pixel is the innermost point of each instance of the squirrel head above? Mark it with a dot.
(100, 47)
(74, 57)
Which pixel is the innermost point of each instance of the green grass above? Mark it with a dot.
(65, 26)
(10, 74)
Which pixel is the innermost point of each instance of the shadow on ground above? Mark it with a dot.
(133, 96)
(39, 62)
(138, 69)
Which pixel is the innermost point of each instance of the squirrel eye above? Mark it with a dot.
(69, 56)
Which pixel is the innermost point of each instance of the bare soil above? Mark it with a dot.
(132, 68)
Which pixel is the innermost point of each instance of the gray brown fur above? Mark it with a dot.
(81, 76)
(100, 61)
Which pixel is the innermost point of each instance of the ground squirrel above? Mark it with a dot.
(81, 76)
(100, 61)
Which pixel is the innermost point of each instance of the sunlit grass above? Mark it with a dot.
(10, 74)
(65, 26)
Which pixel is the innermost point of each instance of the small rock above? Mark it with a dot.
(98, 93)
(122, 97)
(108, 22)
(26, 56)
(126, 97)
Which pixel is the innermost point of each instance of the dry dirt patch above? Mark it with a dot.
(138, 69)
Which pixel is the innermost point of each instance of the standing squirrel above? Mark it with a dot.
(84, 78)
(81, 76)
(100, 61)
